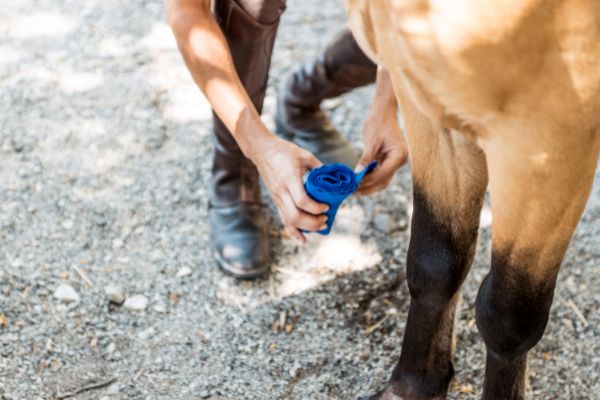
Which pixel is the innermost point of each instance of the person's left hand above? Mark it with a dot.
(384, 142)
(383, 138)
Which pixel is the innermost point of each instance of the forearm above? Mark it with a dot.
(207, 56)
(384, 97)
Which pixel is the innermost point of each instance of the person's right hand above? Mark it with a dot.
(282, 165)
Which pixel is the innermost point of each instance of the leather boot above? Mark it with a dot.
(299, 118)
(237, 214)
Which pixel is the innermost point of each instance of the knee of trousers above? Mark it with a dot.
(263, 11)
(512, 313)
(435, 271)
(347, 65)
(250, 41)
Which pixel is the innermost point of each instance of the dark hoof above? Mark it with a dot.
(374, 397)
(385, 394)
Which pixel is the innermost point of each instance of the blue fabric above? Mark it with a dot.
(332, 184)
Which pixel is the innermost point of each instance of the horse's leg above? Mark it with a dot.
(449, 180)
(538, 191)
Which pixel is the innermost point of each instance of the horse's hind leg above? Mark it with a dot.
(538, 192)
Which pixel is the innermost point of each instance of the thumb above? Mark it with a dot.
(367, 156)
(309, 161)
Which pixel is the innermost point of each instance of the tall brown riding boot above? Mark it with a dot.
(237, 214)
(340, 68)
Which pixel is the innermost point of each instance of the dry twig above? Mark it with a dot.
(86, 387)
(83, 275)
(578, 312)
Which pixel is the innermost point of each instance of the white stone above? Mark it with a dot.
(146, 334)
(384, 223)
(111, 347)
(183, 272)
(115, 294)
(66, 293)
(136, 303)
(160, 308)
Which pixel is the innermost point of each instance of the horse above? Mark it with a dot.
(499, 95)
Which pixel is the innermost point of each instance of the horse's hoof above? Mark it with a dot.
(385, 394)
(368, 397)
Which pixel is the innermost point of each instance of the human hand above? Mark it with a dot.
(282, 165)
(384, 141)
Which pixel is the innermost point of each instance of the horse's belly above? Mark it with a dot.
(476, 63)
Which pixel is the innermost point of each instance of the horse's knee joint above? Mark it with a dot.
(435, 273)
(512, 314)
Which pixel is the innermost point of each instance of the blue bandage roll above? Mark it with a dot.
(332, 184)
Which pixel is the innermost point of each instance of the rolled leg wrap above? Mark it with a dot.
(332, 184)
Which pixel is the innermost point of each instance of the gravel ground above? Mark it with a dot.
(104, 164)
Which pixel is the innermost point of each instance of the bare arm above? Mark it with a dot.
(383, 138)
(207, 56)
(281, 164)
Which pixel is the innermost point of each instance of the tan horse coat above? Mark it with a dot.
(497, 94)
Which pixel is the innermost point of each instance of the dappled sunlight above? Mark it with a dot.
(335, 255)
(89, 134)
(65, 78)
(167, 72)
(321, 260)
(344, 253)
(112, 47)
(71, 82)
(268, 110)
(42, 76)
(325, 257)
(485, 218)
(9, 55)
(186, 104)
(41, 24)
(160, 38)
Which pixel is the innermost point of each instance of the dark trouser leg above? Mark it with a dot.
(237, 214)
(339, 69)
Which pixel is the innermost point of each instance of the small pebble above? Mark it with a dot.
(113, 389)
(66, 293)
(160, 308)
(295, 371)
(67, 224)
(183, 272)
(136, 303)
(146, 334)
(115, 294)
(383, 223)
(402, 224)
